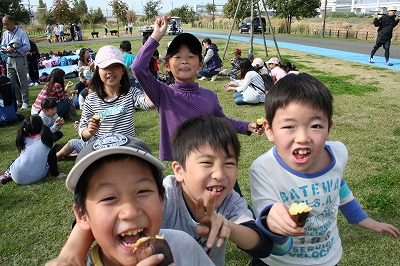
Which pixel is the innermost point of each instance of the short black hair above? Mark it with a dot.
(195, 133)
(125, 46)
(299, 88)
(48, 103)
(81, 189)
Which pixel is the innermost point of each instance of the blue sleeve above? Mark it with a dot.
(281, 244)
(353, 212)
(26, 47)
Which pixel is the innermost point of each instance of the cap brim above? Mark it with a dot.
(185, 38)
(80, 166)
(109, 62)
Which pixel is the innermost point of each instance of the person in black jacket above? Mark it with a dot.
(33, 64)
(385, 25)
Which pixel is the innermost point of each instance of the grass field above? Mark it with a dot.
(36, 219)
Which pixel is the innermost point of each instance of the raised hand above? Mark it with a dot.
(212, 225)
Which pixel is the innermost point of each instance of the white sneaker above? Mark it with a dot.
(31, 84)
(371, 60)
(25, 106)
(202, 78)
(36, 84)
(214, 78)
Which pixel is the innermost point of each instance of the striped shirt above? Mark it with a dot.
(56, 93)
(116, 115)
(177, 102)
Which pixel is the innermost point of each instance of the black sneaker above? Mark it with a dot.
(4, 179)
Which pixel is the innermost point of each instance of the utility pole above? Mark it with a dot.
(213, 14)
(324, 22)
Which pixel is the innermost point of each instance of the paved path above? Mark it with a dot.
(341, 49)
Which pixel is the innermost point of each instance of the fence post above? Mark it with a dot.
(356, 34)
(347, 34)
(338, 33)
(366, 36)
(330, 32)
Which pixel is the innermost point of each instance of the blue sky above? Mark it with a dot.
(137, 5)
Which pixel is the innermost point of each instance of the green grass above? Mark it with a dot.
(36, 219)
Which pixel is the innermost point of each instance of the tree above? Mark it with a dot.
(289, 9)
(62, 13)
(131, 16)
(41, 12)
(210, 9)
(119, 11)
(151, 9)
(14, 8)
(229, 9)
(79, 9)
(94, 17)
(187, 14)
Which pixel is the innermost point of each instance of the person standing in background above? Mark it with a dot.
(130, 26)
(15, 43)
(61, 29)
(56, 32)
(105, 30)
(72, 31)
(385, 25)
(33, 64)
(48, 32)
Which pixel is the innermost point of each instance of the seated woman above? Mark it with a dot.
(56, 91)
(250, 88)
(212, 62)
(85, 60)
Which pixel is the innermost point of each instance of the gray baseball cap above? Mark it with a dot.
(108, 144)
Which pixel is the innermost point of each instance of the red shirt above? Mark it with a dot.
(56, 93)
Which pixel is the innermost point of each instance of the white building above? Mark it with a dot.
(359, 6)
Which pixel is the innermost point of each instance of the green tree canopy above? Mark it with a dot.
(93, 17)
(229, 9)
(151, 9)
(62, 12)
(187, 14)
(79, 9)
(14, 8)
(120, 10)
(289, 9)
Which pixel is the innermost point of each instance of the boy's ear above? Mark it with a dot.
(201, 65)
(178, 171)
(81, 218)
(268, 131)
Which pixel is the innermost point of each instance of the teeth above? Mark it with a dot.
(133, 232)
(215, 189)
(303, 152)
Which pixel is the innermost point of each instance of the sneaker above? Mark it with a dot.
(388, 63)
(371, 60)
(25, 106)
(36, 84)
(31, 84)
(4, 179)
(214, 78)
(202, 78)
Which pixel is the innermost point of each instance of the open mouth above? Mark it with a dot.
(129, 238)
(301, 154)
(216, 189)
(184, 69)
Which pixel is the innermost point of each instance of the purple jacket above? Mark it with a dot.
(177, 102)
